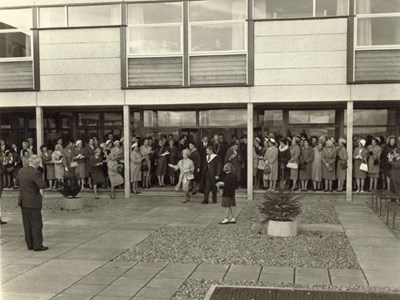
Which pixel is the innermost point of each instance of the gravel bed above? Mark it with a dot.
(197, 289)
(396, 229)
(321, 213)
(235, 245)
(53, 205)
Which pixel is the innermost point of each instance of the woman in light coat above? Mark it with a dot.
(341, 168)
(316, 168)
(305, 166)
(56, 156)
(328, 165)
(271, 159)
(186, 168)
(135, 161)
(375, 152)
(145, 151)
(360, 155)
(115, 178)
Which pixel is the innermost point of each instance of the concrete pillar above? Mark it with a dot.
(39, 128)
(127, 148)
(250, 138)
(349, 138)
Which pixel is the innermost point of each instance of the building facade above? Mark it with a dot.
(82, 68)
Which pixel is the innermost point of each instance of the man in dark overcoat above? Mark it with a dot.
(211, 174)
(30, 201)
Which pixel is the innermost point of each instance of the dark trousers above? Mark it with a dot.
(209, 187)
(33, 224)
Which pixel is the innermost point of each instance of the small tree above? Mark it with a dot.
(71, 186)
(280, 205)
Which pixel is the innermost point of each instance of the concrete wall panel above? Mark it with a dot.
(321, 59)
(53, 2)
(16, 3)
(300, 93)
(300, 76)
(93, 50)
(81, 82)
(293, 43)
(364, 92)
(301, 27)
(189, 96)
(72, 36)
(81, 98)
(80, 66)
(17, 99)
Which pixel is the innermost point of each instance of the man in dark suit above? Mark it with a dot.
(30, 200)
(202, 151)
(212, 172)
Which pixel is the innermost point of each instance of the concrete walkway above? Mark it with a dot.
(77, 265)
(376, 247)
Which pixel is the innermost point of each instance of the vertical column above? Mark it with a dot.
(127, 149)
(39, 128)
(349, 138)
(250, 138)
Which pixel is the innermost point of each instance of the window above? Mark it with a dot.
(377, 6)
(96, 15)
(272, 118)
(217, 25)
(378, 31)
(88, 119)
(311, 117)
(85, 16)
(15, 33)
(176, 118)
(52, 17)
(155, 28)
(282, 9)
(223, 117)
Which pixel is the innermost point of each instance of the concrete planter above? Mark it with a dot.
(282, 228)
(72, 203)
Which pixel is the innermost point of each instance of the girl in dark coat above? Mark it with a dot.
(385, 166)
(283, 157)
(195, 157)
(228, 184)
(173, 159)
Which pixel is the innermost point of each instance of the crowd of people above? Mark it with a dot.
(293, 162)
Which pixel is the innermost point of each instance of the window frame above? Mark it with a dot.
(314, 12)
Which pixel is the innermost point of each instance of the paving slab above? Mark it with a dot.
(243, 272)
(348, 281)
(278, 271)
(120, 290)
(166, 282)
(346, 273)
(383, 278)
(312, 272)
(131, 281)
(268, 277)
(85, 289)
(379, 263)
(21, 296)
(72, 297)
(156, 293)
(93, 279)
(312, 280)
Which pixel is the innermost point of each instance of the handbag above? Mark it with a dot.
(190, 176)
(343, 165)
(364, 167)
(292, 165)
(267, 169)
(376, 162)
(144, 166)
(261, 164)
(74, 164)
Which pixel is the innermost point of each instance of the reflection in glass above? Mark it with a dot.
(368, 117)
(217, 37)
(52, 17)
(377, 6)
(88, 119)
(148, 118)
(371, 131)
(176, 118)
(331, 8)
(154, 13)
(311, 117)
(113, 119)
(96, 15)
(223, 117)
(273, 118)
(15, 18)
(378, 31)
(15, 44)
(217, 10)
(155, 40)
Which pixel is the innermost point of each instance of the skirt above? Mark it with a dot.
(82, 169)
(97, 175)
(228, 201)
(50, 172)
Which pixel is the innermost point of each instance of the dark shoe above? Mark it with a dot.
(2, 222)
(96, 197)
(194, 193)
(30, 248)
(204, 202)
(41, 248)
